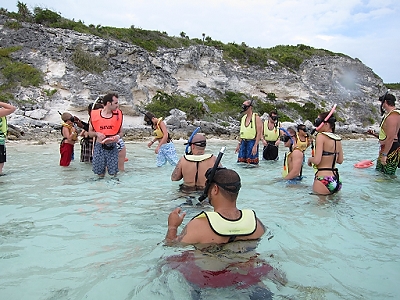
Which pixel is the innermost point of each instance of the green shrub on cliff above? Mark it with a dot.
(151, 40)
(162, 103)
(16, 72)
(88, 62)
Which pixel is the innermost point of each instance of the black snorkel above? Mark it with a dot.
(211, 175)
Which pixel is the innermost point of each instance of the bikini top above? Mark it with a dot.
(327, 153)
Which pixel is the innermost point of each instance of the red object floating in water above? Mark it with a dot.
(364, 164)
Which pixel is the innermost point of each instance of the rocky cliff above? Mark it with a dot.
(200, 70)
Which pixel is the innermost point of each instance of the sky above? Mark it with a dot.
(363, 29)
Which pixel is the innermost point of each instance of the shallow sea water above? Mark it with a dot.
(64, 234)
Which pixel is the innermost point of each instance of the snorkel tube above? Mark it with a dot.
(287, 133)
(190, 140)
(327, 118)
(212, 173)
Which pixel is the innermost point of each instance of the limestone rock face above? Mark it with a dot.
(200, 70)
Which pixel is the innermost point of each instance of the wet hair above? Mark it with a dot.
(148, 116)
(389, 98)
(66, 117)
(292, 131)
(273, 112)
(94, 107)
(109, 98)
(331, 121)
(301, 127)
(228, 181)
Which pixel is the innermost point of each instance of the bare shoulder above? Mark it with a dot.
(198, 231)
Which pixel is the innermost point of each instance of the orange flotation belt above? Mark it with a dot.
(364, 164)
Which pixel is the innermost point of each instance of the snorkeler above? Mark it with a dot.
(165, 149)
(226, 224)
(271, 135)
(250, 135)
(389, 134)
(293, 160)
(193, 165)
(328, 152)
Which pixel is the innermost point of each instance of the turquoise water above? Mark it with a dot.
(64, 234)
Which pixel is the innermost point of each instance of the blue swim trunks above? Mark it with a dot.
(167, 152)
(105, 156)
(244, 155)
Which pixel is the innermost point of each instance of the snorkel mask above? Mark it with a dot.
(303, 128)
(286, 137)
(274, 118)
(210, 174)
(246, 107)
(189, 142)
(318, 123)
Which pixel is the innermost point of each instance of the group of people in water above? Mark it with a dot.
(103, 146)
(102, 143)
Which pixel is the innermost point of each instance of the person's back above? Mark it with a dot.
(226, 224)
(193, 171)
(192, 167)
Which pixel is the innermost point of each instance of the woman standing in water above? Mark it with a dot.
(328, 152)
(165, 149)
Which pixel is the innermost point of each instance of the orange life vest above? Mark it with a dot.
(107, 126)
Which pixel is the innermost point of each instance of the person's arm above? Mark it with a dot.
(6, 109)
(177, 173)
(372, 132)
(340, 157)
(95, 134)
(238, 146)
(259, 132)
(281, 133)
(175, 219)
(70, 136)
(316, 159)
(297, 162)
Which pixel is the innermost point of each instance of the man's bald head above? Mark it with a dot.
(199, 140)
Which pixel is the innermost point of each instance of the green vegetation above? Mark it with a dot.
(228, 106)
(393, 86)
(151, 40)
(16, 72)
(49, 92)
(88, 62)
(162, 103)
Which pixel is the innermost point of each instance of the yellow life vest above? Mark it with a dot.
(302, 145)
(197, 158)
(332, 135)
(74, 136)
(285, 170)
(158, 132)
(3, 130)
(271, 135)
(382, 134)
(3, 127)
(248, 132)
(245, 225)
